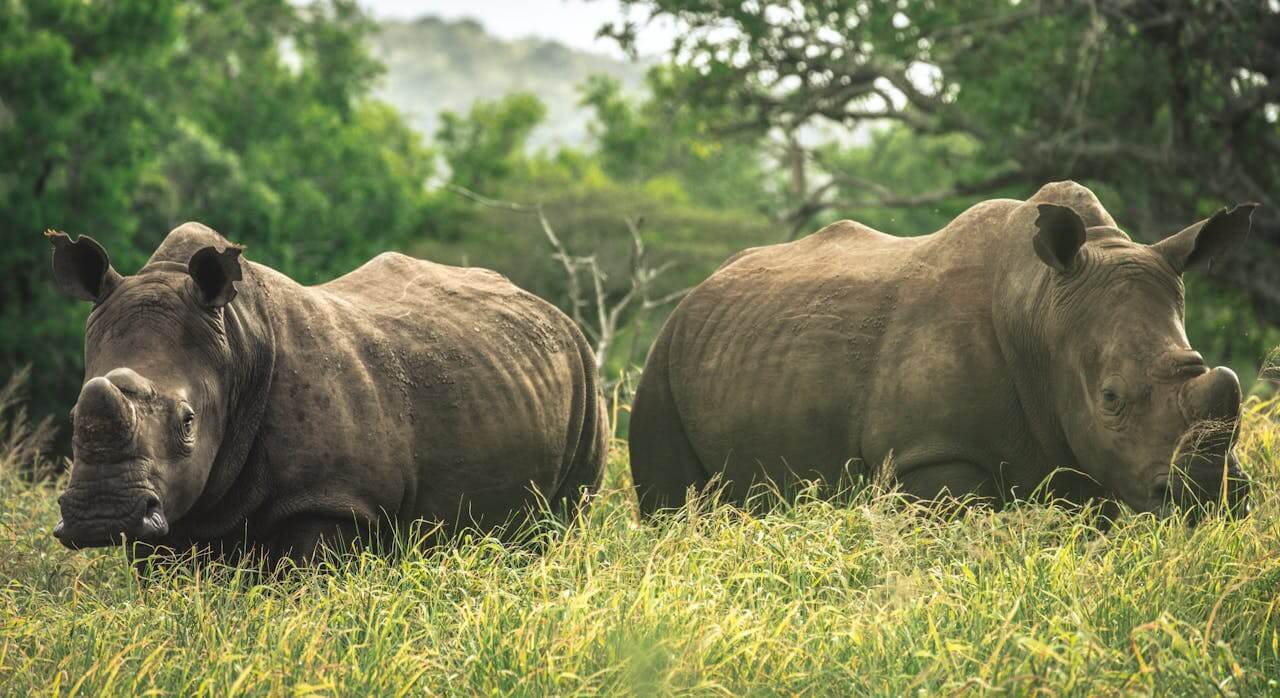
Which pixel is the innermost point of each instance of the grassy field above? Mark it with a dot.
(862, 598)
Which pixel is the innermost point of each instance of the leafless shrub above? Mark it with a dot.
(884, 479)
(1270, 369)
(591, 307)
(24, 446)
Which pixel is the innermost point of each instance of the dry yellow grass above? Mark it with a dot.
(861, 597)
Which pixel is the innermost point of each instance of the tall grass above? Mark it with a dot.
(862, 597)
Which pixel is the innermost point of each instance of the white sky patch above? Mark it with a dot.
(573, 23)
(289, 55)
(925, 77)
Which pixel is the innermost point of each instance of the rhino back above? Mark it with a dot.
(426, 391)
(832, 348)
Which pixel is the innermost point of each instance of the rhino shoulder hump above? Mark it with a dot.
(1079, 198)
(1062, 190)
(981, 216)
(847, 231)
(843, 226)
(737, 256)
(489, 275)
(395, 259)
(183, 241)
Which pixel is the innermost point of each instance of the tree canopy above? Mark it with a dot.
(122, 120)
(767, 119)
(1170, 107)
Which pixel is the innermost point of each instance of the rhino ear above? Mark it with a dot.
(1059, 237)
(81, 269)
(1196, 247)
(215, 274)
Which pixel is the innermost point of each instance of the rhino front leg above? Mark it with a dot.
(302, 537)
(971, 485)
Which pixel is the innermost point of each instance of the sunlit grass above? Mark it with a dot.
(864, 597)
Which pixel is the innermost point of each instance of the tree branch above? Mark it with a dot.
(602, 330)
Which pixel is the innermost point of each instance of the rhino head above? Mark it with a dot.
(151, 414)
(1141, 412)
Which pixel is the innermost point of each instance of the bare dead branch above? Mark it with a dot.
(602, 329)
(490, 203)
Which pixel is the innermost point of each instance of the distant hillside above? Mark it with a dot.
(435, 65)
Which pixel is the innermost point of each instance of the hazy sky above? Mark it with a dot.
(571, 22)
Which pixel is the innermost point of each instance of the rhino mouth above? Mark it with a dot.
(141, 519)
(1205, 483)
(1200, 484)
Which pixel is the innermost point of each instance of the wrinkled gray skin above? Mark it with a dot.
(228, 407)
(1022, 338)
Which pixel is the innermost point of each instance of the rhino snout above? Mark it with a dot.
(135, 515)
(1205, 473)
(1201, 483)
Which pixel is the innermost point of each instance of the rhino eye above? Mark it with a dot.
(1111, 400)
(188, 422)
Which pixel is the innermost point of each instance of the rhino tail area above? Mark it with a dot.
(663, 463)
(585, 467)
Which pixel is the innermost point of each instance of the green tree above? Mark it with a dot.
(659, 140)
(1168, 109)
(122, 120)
(1108, 92)
(76, 132)
(487, 146)
(640, 171)
(277, 146)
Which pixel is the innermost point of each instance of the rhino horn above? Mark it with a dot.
(1213, 396)
(105, 420)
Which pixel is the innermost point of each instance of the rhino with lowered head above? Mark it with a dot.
(1023, 340)
(227, 407)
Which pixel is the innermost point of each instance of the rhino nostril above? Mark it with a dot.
(1162, 492)
(153, 511)
(153, 524)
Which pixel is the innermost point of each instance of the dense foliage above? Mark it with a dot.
(121, 120)
(1169, 109)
